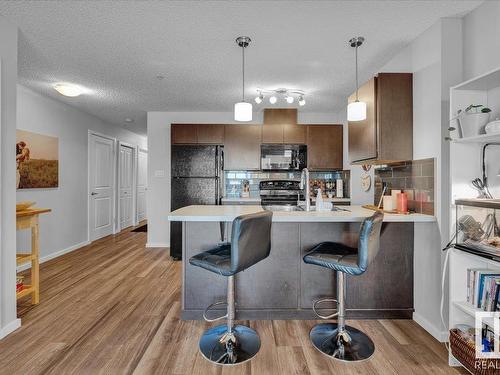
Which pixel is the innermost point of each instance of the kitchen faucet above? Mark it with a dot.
(304, 185)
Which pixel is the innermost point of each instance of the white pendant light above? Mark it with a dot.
(243, 110)
(356, 111)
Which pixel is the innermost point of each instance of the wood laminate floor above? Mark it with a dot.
(113, 308)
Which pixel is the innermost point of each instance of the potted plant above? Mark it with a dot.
(473, 120)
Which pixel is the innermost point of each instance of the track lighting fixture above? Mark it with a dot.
(288, 95)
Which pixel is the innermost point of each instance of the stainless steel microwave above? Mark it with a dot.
(276, 157)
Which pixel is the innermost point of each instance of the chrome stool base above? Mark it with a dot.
(325, 338)
(214, 348)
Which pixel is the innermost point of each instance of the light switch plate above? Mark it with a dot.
(160, 173)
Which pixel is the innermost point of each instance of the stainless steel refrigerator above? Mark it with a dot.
(197, 178)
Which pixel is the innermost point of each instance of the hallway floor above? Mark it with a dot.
(113, 307)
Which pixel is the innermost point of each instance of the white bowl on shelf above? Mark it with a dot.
(493, 127)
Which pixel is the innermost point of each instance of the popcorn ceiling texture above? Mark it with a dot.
(116, 49)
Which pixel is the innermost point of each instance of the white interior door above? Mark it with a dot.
(126, 174)
(142, 184)
(101, 186)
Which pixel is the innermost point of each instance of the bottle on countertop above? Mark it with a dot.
(319, 200)
(340, 188)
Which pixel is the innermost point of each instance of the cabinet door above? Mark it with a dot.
(184, 134)
(242, 147)
(210, 134)
(363, 134)
(294, 134)
(280, 116)
(395, 116)
(324, 147)
(272, 134)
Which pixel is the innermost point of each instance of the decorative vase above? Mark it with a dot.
(473, 124)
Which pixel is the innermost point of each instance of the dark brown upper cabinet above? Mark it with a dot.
(242, 147)
(210, 134)
(280, 116)
(272, 133)
(295, 134)
(280, 126)
(325, 147)
(184, 134)
(387, 133)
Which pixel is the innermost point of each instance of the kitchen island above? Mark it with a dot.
(282, 286)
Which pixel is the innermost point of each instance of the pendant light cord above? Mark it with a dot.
(243, 68)
(357, 73)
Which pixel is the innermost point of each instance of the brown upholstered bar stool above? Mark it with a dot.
(231, 344)
(337, 339)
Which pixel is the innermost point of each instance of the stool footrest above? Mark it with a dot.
(219, 303)
(323, 300)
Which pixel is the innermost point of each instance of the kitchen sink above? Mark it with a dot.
(289, 208)
(286, 208)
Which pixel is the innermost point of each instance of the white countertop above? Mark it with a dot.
(229, 213)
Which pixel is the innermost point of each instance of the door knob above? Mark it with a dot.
(93, 193)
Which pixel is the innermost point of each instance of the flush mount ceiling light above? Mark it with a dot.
(288, 95)
(129, 120)
(243, 110)
(67, 89)
(356, 111)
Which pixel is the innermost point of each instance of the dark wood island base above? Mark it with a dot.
(284, 287)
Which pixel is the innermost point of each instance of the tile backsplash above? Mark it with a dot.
(234, 180)
(415, 177)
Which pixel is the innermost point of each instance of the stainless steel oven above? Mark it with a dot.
(276, 157)
(280, 195)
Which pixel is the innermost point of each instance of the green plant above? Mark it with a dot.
(477, 108)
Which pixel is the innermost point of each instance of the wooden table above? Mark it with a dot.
(28, 219)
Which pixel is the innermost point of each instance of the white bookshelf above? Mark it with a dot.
(467, 308)
(461, 311)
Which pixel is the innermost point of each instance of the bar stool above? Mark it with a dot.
(338, 340)
(231, 344)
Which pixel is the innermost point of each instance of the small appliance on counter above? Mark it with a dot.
(276, 157)
(477, 226)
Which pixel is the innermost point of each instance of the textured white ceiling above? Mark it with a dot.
(117, 49)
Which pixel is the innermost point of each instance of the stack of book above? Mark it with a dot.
(483, 288)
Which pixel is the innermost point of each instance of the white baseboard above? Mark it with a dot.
(441, 336)
(56, 254)
(157, 244)
(10, 327)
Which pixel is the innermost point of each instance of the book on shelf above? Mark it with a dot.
(483, 288)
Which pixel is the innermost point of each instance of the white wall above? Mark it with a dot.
(481, 41)
(8, 78)
(66, 227)
(158, 198)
